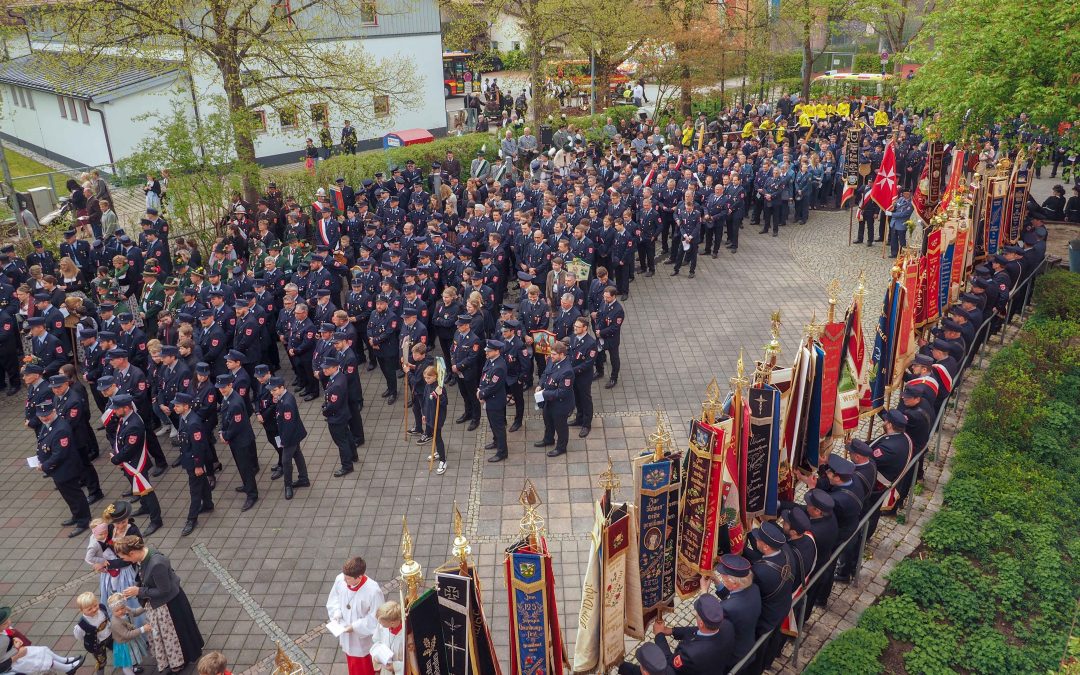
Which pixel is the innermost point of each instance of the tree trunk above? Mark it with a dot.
(808, 62)
(685, 91)
(244, 141)
(602, 77)
(536, 81)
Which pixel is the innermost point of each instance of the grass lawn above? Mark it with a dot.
(21, 165)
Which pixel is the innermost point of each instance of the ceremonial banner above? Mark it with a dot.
(906, 333)
(849, 390)
(455, 596)
(587, 644)
(731, 531)
(884, 346)
(811, 438)
(851, 164)
(762, 452)
(935, 161)
(715, 507)
(535, 642)
(694, 507)
(996, 193)
(423, 637)
(1018, 192)
(543, 341)
(616, 545)
(905, 345)
(633, 616)
(920, 200)
(885, 187)
(956, 174)
(931, 290)
(946, 265)
(832, 343)
(656, 488)
(483, 655)
(961, 255)
(794, 425)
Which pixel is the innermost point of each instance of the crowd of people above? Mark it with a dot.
(514, 275)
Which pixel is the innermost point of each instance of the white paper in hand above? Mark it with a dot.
(539, 396)
(382, 653)
(336, 628)
(686, 246)
(33, 462)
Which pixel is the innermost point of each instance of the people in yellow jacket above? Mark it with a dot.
(843, 109)
(804, 120)
(881, 119)
(748, 129)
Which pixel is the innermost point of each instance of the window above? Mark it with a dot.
(288, 118)
(22, 97)
(30, 98)
(260, 120)
(14, 95)
(382, 105)
(369, 12)
(515, 46)
(495, 45)
(63, 106)
(320, 112)
(85, 112)
(72, 113)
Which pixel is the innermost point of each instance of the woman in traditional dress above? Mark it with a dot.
(175, 639)
(99, 555)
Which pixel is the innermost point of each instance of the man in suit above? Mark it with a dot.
(492, 391)
(194, 440)
(557, 387)
(236, 432)
(583, 357)
(58, 460)
(336, 410)
(293, 432)
(740, 598)
(131, 454)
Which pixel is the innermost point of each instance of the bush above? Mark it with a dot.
(1057, 295)
(855, 652)
(515, 59)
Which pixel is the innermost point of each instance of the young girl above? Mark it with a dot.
(129, 645)
(19, 656)
(388, 652)
(434, 402)
(93, 629)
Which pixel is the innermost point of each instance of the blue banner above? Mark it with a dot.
(946, 278)
(812, 439)
(993, 226)
(528, 596)
(882, 356)
(763, 451)
(655, 500)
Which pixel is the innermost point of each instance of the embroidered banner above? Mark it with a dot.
(832, 343)
(995, 213)
(693, 508)
(730, 534)
(808, 457)
(961, 255)
(797, 397)
(762, 451)
(424, 640)
(587, 645)
(935, 159)
(656, 490)
(1017, 203)
(930, 291)
(484, 659)
(526, 575)
(455, 596)
(946, 266)
(849, 390)
(616, 544)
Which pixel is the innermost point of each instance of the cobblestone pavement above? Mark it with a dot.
(261, 577)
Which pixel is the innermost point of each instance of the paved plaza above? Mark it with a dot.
(261, 577)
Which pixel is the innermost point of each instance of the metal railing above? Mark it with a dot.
(801, 606)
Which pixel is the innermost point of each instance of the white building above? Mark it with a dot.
(95, 121)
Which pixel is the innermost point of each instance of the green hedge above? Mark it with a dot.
(996, 592)
(355, 168)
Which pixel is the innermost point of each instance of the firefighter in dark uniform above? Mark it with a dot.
(608, 323)
(582, 358)
(703, 649)
(45, 348)
(335, 409)
(350, 366)
(194, 440)
(263, 402)
(58, 460)
(465, 363)
(130, 447)
(772, 567)
(891, 451)
(516, 355)
(915, 404)
(75, 409)
(10, 348)
(491, 389)
(293, 433)
(741, 599)
(557, 385)
(382, 331)
(236, 432)
(861, 455)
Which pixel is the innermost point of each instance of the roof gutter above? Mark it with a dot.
(105, 128)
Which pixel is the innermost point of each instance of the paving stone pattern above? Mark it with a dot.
(262, 576)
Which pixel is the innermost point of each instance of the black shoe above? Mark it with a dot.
(584, 432)
(140, 512)
(775, 234)
(311, 397)
(414, 431)
(472, 425)
(138, 670)
(462, 418)
(189, 527)
(400, 374)
(453, 383)
(692, 275)
(650, 273)
(370, 366)
(151, 528)
(423, 440)
(610, 384)
(391, 399)
(574, 422)
(342, 471)
(674, 274)
(516, 426)
(716, 255)
(857, 241)
(175, 463)
(276, 473)
(624, 296)
(490, 446)
(555, 453)
(734, 251)
(12, 390)
(94, 498)
(496, 458)
(68, 523)
(669, 262)
(76, 663)
(158, 470)
(248, 503)
(218, 467)
(869, 244)
(765, 231)
(303, 482)
(206, 509)
(543, 444)
(842, 579)
(288, 492)
(79, 529)
(238, 488)
(385, 393)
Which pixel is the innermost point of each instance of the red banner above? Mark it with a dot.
(960, 257)
(714, 510)
(832, 342)
(933, 275)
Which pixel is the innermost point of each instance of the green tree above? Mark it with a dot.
(203, 166)
(266, 55)
(898, 22)
(610, 31)
(816, 21)
(996, 60)
(543, 24)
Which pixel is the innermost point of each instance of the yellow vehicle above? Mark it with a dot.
(843, 85)
(577, 71)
